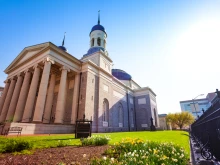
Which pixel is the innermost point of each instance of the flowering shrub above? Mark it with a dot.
(137, 152)
(95, 140)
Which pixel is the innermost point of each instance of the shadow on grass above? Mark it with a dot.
(185, 134)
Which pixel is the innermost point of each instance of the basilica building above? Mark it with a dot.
(48, 89)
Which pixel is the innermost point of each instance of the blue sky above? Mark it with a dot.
(171, 46)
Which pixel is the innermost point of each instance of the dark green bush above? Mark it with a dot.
(13, 145)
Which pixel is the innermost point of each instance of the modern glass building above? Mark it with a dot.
(197, 105)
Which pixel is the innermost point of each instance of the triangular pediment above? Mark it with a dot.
(26, 54)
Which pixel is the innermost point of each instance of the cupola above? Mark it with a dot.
(98, 35)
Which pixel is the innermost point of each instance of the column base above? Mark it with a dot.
(35, 121)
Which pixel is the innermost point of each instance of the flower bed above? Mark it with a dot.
(137, 152)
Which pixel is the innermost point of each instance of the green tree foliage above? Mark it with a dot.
(180, 119)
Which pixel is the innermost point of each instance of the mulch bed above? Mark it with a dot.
(70, 155)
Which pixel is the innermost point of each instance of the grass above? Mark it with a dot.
(46, 141)
(177, 137)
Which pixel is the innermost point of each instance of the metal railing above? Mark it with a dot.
(206, 131)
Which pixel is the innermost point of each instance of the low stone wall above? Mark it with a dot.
(31, 128)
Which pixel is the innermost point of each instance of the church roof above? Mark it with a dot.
(63, 48)
(98, 27)
(93, 50)
(120, 74)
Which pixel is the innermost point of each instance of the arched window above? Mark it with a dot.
(105, 115)
(155, 117)
(92, 42)
(99, 42)
(120, 115)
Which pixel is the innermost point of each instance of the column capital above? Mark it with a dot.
(49, 59)
(13, 78)
(27, 70)
(65, 68)
(7, 81)
(36, 66)
(19, 74)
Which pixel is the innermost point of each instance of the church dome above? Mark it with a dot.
(98, 27)
(63, 48)
(120, 74)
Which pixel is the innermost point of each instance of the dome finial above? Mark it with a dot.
(63, 39)
(99, 17)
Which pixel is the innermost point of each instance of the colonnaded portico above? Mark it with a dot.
(41, 93)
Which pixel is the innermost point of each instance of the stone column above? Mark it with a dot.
(22, 97)
(5, 91)
(61, 96)
(7, 100)
(29, 107)
(75, 98)
(14, 100)
(49, 101)
(41, 99)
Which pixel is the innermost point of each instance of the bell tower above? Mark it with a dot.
(98, 35)
(97, 52)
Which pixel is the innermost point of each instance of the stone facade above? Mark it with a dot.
(48, 87)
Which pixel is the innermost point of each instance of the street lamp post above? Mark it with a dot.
(194, 103)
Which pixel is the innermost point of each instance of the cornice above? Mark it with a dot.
(144, 89)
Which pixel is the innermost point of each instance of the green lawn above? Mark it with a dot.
(178, 137)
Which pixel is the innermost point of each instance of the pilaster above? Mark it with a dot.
(75, 98)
